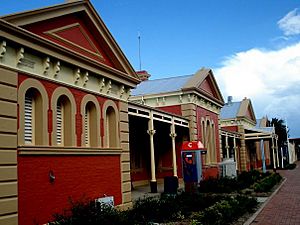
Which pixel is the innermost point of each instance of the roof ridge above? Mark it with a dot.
(167, 78)
(47, 7)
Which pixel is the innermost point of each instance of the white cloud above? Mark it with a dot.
(270, 78)
(290, 23)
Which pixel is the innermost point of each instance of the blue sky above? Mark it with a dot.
(252, 46)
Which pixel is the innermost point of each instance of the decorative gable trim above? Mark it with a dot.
(178, 98)
(27, 61)
(198, 79)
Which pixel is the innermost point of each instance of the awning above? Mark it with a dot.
(259, 133)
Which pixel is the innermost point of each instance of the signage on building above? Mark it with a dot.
(193, 145)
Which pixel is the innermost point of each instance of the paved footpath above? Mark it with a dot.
(284, 207)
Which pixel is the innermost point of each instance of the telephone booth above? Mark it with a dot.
(191, 152)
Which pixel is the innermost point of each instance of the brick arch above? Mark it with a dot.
(42, 132)
(58, 92)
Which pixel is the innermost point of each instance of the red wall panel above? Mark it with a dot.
(201, 112)
(76, 177)
(40, 28)
(176, 109)
(230, 128)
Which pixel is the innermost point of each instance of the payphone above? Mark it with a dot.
(192, 163)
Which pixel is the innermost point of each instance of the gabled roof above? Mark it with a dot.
(230, 110)
(61, 23)
(202, 81)
(242, 109)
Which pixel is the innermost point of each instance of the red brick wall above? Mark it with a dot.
(76, 177)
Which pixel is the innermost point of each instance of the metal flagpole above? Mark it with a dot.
(140, 60)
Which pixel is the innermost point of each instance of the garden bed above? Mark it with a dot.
(232, 202)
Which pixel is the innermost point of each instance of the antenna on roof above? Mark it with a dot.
(140, 60)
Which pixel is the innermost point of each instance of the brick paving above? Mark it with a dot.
(284, 207)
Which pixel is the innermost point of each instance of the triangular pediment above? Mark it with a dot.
(76, 37)
(208, 87)
(204, 82)
(77, 27)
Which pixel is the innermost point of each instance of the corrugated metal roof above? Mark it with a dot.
(261, 129)
(161, 85)
(230, 110)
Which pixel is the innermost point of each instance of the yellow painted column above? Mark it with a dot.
(227, 147)
(151, 132)
(235, 153)
(173, 136)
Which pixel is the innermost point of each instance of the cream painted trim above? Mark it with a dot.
(86, 99)
(54, 150)
(107, 104)
(50, 49)
(53, 34)
(55, 96)
(24, 86)
(177, 98)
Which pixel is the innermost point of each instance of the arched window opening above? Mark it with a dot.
(111, 127)
(90, 125)
(63, 121)
(33, 117)
(208, 140)
(213, 143)
(203, 132)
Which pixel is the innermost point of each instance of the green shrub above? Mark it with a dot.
(221, 185)
(229, 185)
(290, 166)
(155, 210)
(226, 211)
(266, 184)
(88, 213)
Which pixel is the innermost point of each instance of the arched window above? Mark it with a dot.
(203, 131)
(208, 141)
(213, 143)
(63, 108)
(111, 127)
(33, 117)
(90, 125)
(33, 120)
(63, 121)
(111, 124)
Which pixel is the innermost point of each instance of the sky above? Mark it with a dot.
(253, 46)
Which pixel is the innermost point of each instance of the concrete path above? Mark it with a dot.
(284, 207)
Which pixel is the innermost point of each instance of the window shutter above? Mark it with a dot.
(28, 120)
(59, 121)
(86, 127)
